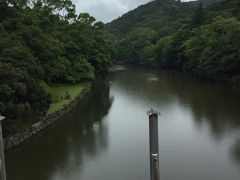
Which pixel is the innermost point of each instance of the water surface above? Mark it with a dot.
(106, 136)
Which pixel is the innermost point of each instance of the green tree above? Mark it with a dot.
(213, 50)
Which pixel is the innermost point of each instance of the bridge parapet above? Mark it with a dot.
(2, 163)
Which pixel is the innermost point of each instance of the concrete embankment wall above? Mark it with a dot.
(16, 139)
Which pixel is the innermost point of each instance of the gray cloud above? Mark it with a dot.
(107, 10)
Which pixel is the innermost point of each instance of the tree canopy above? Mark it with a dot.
(45, 41)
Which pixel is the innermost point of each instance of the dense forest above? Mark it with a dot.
(45, 42)
(203, 38)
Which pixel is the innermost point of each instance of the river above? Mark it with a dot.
(105, 137)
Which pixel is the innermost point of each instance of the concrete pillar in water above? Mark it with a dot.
(2, 163)
(153, 144)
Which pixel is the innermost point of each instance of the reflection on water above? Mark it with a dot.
(59, 151)
(102, 139)
(215, 104)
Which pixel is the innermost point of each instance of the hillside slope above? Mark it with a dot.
(153, 14)
(193, 36)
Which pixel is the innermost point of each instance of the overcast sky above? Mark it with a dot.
(107, 10)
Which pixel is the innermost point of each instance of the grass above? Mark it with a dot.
(63, 94)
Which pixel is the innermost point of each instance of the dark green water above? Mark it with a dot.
(106, 136)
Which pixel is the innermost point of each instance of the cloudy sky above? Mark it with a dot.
(107, 10)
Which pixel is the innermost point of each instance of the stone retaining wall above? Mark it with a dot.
(16, 139)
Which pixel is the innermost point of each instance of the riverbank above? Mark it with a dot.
(231, 80)
(62, 95)
(64, 98)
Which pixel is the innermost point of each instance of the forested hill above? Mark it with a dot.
(201, 38)
(153, 14)
(44, 42)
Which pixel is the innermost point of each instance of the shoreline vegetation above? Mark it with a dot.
(63, 94)
(63, 97)
(66, 96)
